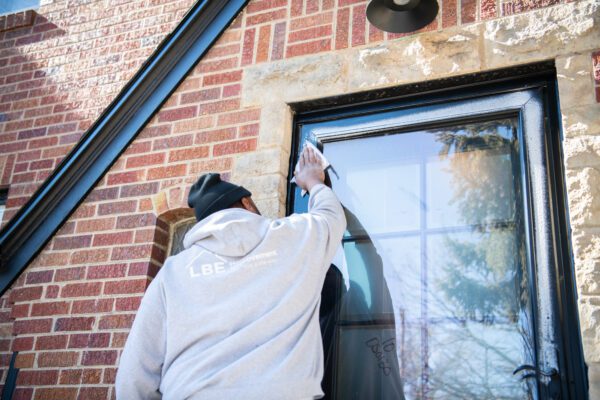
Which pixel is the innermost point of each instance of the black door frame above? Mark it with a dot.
(537, 78)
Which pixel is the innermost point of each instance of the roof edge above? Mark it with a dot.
(60, 194)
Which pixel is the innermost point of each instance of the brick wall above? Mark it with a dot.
(69, 314)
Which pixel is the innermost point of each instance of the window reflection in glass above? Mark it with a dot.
(437, 305)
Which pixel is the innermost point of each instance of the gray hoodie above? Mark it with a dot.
(235, 315)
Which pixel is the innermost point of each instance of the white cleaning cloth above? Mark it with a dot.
(324, 163)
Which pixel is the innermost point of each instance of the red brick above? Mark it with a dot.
(116, 321)
(142, 268)
(57, 359)
(239, 146)
(18, 311)
(232, 90)
(108, 239)
(279, 36)
(52, 292)
(32, 133)
(29, 155)
(596, 66)
(297, 7)
(117, 207)
(67, 127)
(92, 306)
(312, 6)
(597, 94)
(32, 326)
(219, 106)
(201, 95)
(89, 340)
(22, 343)
(127, 303)
(107, 271)
(96, 225)
(47, 309)
(177, 114)
(249, 130)
(218, 65)
(69, 274)
(313, 20)
(126, 286)
(305, 48)
(173, 141)
(261, 5)
(449, 16)
(81, 289)
(188, 154)
(137, 190)
(138, 147)
(132, 252)
(70, 377)
(239, 117)
(72, 242)
(85, 211)
(136, 221)
(358, 25)
(248, 47)
(103, 357)
(26, 294)
(468, 12)
(92, 393)
(109, 375)
(63, 393)
(53, 342)
(221, 78)
(89, 256)
(264, 40)
(266, 17)
(310, 33)
(102, 194)
(37, 377)
(24, 360)
(488, 9)
(74, 324)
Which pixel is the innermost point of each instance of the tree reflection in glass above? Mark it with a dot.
(437, 265)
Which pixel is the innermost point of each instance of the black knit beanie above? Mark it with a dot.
(210, 194)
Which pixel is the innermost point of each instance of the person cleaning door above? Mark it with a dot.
(236, 314)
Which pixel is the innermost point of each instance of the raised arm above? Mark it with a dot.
(323, 203)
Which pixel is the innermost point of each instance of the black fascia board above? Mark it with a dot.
(50, 206)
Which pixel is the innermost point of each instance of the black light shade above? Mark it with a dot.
(401, 16)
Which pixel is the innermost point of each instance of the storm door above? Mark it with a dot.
(447, 284)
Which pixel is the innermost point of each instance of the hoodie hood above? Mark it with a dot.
(233, 232)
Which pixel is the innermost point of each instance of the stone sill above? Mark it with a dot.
(17, 20)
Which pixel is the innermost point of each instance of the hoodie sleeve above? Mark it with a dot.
(140, 367)
(325, 207)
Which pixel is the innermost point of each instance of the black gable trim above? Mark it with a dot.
(51, 205)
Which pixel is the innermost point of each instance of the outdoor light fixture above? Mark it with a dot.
(401, 16)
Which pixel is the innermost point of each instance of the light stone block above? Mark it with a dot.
(594, 379)
(582, 151)
(588, 277)
(583, 188)
(586, 245)
(261, 162)
(574, 75)
(275, 126)
(422, 57)
(295, 79)
(265, 186)
(542, 34)
(589, 312)
(581, 120)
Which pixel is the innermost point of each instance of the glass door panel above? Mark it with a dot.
(437, 304)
